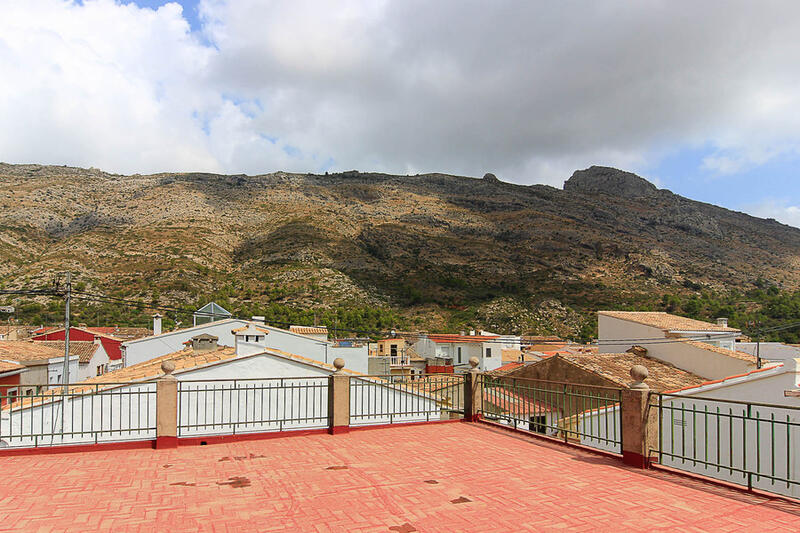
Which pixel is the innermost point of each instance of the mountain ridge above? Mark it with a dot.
(428, 246)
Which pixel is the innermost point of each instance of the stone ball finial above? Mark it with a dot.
(338, 363)
(168, 367)
(473, 362)
(639, 373)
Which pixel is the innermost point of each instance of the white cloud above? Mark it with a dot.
(780, 210)
(528, 90)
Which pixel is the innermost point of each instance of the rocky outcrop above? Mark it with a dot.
(611, 181)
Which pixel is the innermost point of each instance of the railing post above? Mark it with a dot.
(473, 392)
(338, 399)
(167, 408)
(639, 429)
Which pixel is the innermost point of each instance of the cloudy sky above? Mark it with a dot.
(702, 98)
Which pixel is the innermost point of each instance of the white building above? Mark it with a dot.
(698, 347)
(220, 391)
(140, 350)
(770, 351)
(93, 359)
(457, 349)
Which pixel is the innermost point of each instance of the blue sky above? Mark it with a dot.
(704, 105)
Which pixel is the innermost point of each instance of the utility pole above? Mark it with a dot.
(67, 297)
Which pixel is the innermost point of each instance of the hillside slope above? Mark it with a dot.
(432, 247)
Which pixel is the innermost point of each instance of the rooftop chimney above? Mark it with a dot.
(204, 343)
(722, 322)
(156, 324)
(96, 339)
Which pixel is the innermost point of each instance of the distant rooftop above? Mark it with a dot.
(617, 366)
(666, 321)
(453, 337)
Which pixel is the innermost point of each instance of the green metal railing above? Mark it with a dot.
(389, 399)
(208, 407)
(582, 414)
(747, 443)
(80, 415)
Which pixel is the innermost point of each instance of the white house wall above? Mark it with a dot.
(151, 347)
(704, 363)
(692, 435)
(88, 370)
(773, 351)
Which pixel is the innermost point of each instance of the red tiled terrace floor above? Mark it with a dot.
(437, 477)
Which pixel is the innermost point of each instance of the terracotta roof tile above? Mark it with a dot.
(83, 349)
(8, 366)
(666, 321)
(309, 330)
(28, 351)
(616, 367)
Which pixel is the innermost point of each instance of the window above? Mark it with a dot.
(28, 392)
(380, 348)
(100, 370)
(11, 393)
(488, 352)
(459, 354)
(393, 350)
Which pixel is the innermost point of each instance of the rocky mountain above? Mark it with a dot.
(435, 248)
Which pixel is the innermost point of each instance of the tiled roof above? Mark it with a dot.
(723, 351)
(616, 367)
(510, 402)
(93, 331)
(8, 366)
(666, 321)
(309, 330)
(511, 355)
(508, 367)
(83, 349)
(452, 337)
(28, 351)
(125, 334)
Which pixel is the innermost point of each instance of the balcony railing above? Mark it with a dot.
(107, 412)
(750, 444)
(388, 399)
(213, 407)
(399, 360)
(582, 414)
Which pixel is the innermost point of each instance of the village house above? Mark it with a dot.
(456, 349)
(111, 344)
(702, 348)
(143, 349)
(9, 380)
(44, 365)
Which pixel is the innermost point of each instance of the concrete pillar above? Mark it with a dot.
(639, 429)
(473, 392)
(167, 408)
(338, 399)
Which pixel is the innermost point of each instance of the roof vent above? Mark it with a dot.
(722, 322)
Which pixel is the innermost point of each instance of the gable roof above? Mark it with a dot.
(309, 330)
(666, 321)
(83, 349)
(91, 331)
(9, 366)
(117, 332)
(28, 351)
(616, 368)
